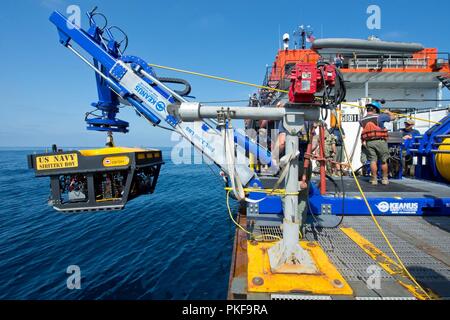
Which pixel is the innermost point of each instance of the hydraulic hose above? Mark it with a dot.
(187, 86)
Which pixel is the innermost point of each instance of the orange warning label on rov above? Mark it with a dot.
(57, 161)
(116, 161)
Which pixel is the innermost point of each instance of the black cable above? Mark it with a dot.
(340, 87)
(187, 86)
(215, 174)
(91, 19)
(343, 197)
(324, 117)
(166, 128)
(357, 170)
(124, 39)
(325, 96)
(343, 203)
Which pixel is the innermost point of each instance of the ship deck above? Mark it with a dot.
(422, 242)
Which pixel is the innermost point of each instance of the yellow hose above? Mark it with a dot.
(241, 227)
(396, 113)
(216, 77)
(379, 227)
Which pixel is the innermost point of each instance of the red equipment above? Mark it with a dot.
(307, 79)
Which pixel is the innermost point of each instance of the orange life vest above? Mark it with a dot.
(371, 129)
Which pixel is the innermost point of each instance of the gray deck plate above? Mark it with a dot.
(423, 243)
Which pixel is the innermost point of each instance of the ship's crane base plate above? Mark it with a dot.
(328, 281)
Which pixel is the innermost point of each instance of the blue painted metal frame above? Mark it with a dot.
(379, 205)
(425, 144)
(105, 58)
(263, 155)
(69, 31)
(390, 206)
(382, 205)
(108, 102)
(269, 204)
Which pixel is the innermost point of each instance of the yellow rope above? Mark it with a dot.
(241, 227)
(265, 87)
(279, 192)
(401, 115)
(379, 226)
(216, 77)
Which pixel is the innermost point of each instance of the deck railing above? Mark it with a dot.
(390, 63)
(274, 76)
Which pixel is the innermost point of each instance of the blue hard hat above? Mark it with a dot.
(375, 104)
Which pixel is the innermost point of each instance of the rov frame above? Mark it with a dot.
(99, 179)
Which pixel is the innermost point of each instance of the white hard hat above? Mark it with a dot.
(285, 36)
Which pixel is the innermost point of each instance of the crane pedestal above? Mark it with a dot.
(326, 280)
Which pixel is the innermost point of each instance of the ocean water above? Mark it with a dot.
(173, 244)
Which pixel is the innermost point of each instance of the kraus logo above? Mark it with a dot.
(383, 206)
(144, 93)
(160, 106)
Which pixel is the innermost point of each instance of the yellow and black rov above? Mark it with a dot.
(98, 179)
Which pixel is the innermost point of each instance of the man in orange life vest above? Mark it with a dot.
(374, 138)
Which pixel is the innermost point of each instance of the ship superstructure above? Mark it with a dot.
(410, 79)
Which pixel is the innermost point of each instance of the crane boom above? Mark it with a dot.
(134, 81)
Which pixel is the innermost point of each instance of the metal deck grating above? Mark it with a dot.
(267, 231)
(410, 236)
(344, 253)
(422, 265)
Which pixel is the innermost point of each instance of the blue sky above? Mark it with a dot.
(46, 90)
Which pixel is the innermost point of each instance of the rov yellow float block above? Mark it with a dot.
(260, 278)
(443, 159)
